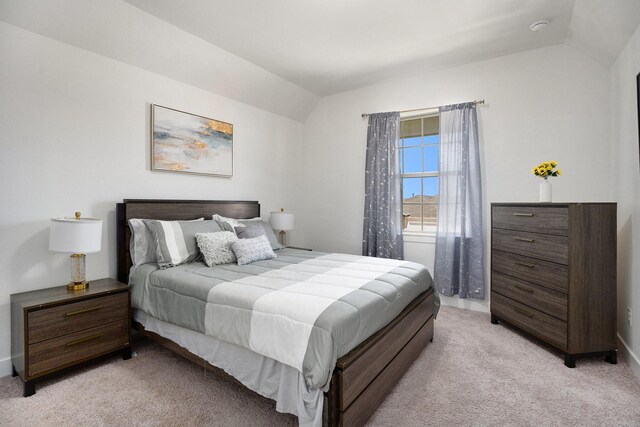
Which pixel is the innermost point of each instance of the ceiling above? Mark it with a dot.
(329, 46)
(283, 55)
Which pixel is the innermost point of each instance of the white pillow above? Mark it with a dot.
(251, 250)
(216, 247)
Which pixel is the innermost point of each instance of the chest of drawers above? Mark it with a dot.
(53, 329)
(553, 274)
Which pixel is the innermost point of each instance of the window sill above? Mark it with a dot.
(415, 237)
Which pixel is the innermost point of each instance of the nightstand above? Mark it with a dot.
(54, 329)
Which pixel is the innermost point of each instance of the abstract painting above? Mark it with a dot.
(183, 142)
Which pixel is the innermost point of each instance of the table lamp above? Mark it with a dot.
(282, 221)
(76, 236)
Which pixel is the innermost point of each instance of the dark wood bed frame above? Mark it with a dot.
(362, 378)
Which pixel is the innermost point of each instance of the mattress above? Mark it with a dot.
(303, 309)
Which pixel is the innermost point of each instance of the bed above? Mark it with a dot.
(347, 392)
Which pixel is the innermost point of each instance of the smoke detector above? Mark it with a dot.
(539, 26)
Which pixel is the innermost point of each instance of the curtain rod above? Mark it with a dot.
(481, 101)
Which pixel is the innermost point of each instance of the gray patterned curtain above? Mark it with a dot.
(382, 235)
(459, 267)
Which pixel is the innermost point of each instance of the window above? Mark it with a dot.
(419, 147)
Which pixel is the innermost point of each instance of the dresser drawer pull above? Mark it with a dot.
(85, 339)
(522, 288)
(524, 264)
(84, 310)
(518, 310)
(522, 239)
(523, 214)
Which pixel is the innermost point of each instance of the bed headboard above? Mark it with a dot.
(170, 210)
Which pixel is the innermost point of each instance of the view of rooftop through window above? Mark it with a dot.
(419, 146)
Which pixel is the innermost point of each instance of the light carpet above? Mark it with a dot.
(474, 373)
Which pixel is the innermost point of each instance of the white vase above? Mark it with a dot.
(545, 191)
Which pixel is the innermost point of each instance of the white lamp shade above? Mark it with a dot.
(75, 236)
(281, 221)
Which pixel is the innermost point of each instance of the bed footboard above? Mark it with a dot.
(365, 376)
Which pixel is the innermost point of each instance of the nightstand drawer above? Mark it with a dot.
(542, 325)
(53, 322)
(68, 349)
(544, 273)
(550, 302)
(540, 246)
(534, 219)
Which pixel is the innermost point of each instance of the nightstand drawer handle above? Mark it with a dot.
(523, 214)
(522, 239)
(524, 264)
(522, 288)
(518, 310)
(85, 339)
(84, 310)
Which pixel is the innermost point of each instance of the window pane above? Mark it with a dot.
(411, 190)
(412, 160)
(431, 158)
(412, 217)
(430, 189)
(431, 125)
(412, 142)
(411, 128)
(432, 139)
(430, 217)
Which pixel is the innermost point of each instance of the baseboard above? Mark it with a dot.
(632, 359)
(5, 367)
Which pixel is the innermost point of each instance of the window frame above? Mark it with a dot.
(420, 175)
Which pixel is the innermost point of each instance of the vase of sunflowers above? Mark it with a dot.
(545, 170)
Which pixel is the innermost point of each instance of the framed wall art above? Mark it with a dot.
(188, 143)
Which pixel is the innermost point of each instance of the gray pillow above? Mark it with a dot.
(268, 231)
(252, 250)
(176, 240)
(216, 247)
(250, 231)
(142, 246)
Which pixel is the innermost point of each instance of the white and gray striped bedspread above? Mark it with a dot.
(304, 309)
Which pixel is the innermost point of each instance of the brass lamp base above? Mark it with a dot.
(77, 286)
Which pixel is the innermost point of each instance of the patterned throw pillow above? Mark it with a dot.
(176, 240)
(216, 247)
(252, 250)
(250, 231)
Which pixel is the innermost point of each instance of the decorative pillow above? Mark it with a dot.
(252, 250)
(250, 231)
(268, 231)
(142, 246)
(176, 240)
(216, 247)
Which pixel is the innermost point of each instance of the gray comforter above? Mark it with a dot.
(303, 309)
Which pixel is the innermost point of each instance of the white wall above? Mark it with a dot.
(624, 131)
(543, 104)
(75, 137)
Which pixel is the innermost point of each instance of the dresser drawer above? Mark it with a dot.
(67, 318)
(535, 322)
(540, 246)
(68, 349)
(549, 220)
(553, 303)
(544, 273)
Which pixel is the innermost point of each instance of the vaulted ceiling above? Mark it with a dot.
(283, 55)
